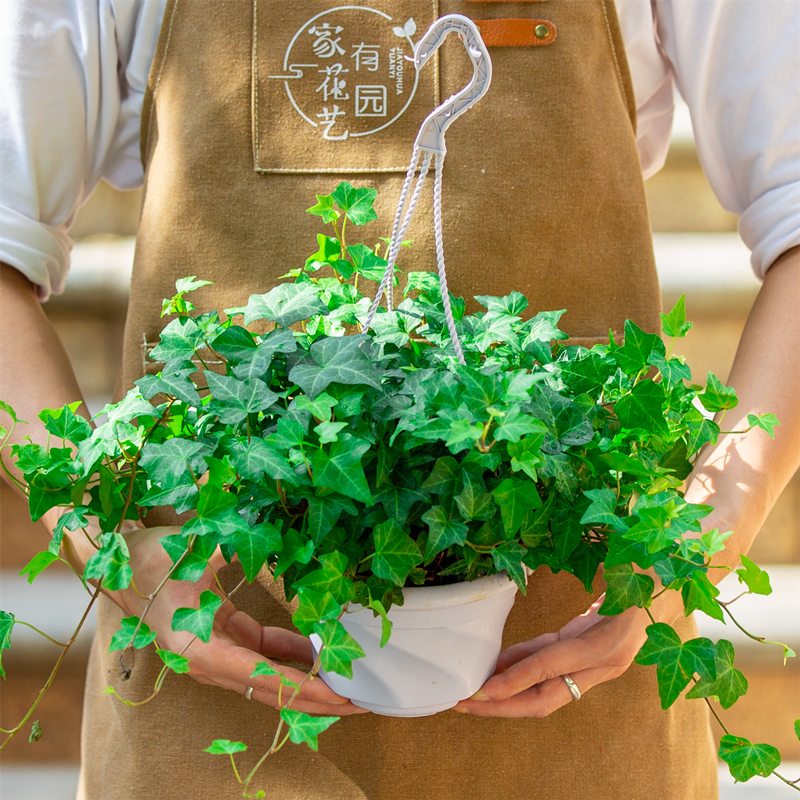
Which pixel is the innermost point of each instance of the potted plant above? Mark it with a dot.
(368, 468)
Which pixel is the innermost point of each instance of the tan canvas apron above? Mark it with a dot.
(252, 108)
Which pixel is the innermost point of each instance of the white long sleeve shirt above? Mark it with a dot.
(73, 75)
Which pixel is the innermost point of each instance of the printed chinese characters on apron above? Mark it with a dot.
(253, 107)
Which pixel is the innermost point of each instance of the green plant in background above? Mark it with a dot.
(352, 462)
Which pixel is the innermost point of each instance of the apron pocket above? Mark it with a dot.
(332, 89)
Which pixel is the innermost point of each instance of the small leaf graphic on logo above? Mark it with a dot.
(410, 28)
(398, 31)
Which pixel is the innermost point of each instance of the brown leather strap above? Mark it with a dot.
(515, 32)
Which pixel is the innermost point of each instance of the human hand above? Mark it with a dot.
(590, 649)
(237, 643)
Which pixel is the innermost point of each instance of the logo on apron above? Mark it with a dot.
(347, 74)
(334, 89)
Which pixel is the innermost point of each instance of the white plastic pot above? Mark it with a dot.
(444, 645)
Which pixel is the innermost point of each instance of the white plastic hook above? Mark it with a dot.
(431, 134)
(430, 139)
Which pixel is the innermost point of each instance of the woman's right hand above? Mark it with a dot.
(237, 643)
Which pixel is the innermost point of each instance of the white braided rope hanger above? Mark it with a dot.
(430, 141)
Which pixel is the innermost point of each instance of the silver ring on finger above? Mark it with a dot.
(572, 686)
(248, 695)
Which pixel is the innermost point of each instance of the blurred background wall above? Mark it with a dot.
(698, 253)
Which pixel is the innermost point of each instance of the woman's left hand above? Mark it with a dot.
(590, 649)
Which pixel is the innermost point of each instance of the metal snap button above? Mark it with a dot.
(541, 31)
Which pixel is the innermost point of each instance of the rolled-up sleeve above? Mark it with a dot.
(737, 64)
(68, 112)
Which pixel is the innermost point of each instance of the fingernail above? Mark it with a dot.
(460, 709)
(480, 696)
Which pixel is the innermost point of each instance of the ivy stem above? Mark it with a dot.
(747, 633)
(738, 596)
(275, 746)
(793, 784)
(13, 732)
(154, 594)
(235, 771)
(41, 633)
(713, 711)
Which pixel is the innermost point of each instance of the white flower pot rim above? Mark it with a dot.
(419, 598)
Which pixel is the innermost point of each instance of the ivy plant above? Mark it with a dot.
(351, 462)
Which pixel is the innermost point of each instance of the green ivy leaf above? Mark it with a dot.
(643, 408)
(110, 562)
(305, 728)
(6, 626)
(255, 458)
(225, 747)
(443, 477)
(71, 520)
(328, 253)
(234, 399)
(265, 668)
(172, 463)
(198, 621)
(46, 491)
(676, 661)
(730, 684)
(625, 589)
(699, 595)
(674, 324)
(634, 355)
(652, 528)
(297, 548)
(314, 607)
(746, 760)
(386, 624)
(123, 638)
(515, 498)
(514, 425)
(356, 203)
(673, 371)
(339, 648)
(324, 208)
(9, 410)
(767, 422)
(177, 663)
(473, 501)
(324, 513)
(329, 431)
(442, 532)
(66, 424)
(175, 383)
(255, 545)
(602, 509)
(396, 553)
(329, 577)
(367, 264)
(259, 360)
(340, 469)
(699, 430)
(717, 396)
(319, 406)
(38, 564)
(181, 339)
(335, 360)
(508, 556)
(754, 577)
(286, 304)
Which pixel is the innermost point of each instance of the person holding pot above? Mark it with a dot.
(234, 115)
